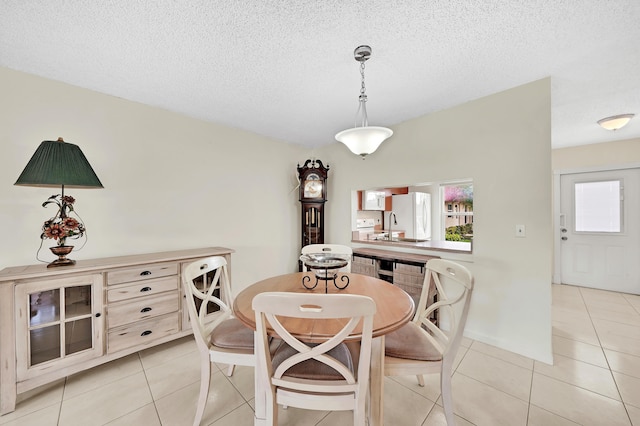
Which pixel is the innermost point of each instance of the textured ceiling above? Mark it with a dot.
(285, 69)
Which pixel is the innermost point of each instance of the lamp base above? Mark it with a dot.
(61, 252)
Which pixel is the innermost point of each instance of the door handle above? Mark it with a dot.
(563, 230)
(564, 238)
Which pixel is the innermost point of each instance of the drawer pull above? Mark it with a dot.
(143, 273)
(143, 289)
(145, 310)
(145, 333)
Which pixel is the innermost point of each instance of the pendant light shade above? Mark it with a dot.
(363, 139)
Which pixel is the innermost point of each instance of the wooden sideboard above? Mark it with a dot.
(59, 321)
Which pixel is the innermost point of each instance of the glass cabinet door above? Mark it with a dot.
(62, 322)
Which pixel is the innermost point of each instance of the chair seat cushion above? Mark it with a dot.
(409, 342)
(312, 369)
(232, 334)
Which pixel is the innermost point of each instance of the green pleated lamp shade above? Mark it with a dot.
(58, 163)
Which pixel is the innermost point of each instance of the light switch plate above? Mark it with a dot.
(521, 231)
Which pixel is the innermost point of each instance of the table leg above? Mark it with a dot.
(376, 382)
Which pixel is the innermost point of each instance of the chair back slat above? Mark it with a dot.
(212, 310)
(452, 306)
(272, 309)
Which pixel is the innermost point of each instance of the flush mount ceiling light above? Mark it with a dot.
(615, 122)
(365, 139)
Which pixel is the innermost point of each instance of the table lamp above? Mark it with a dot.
(58, 163)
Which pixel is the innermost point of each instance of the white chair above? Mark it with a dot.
(325, 376)
(422, 347)
(329, 248)
(220, 337)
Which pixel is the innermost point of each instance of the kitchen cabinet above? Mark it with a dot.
(363, 265)
(373, 200)
(55, 322)
(406, 270)
(409, 276)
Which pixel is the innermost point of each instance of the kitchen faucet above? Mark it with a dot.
(394, 222)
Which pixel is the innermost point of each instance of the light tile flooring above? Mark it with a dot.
(595, 380)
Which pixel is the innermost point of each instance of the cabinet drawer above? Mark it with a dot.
(142, 308)
(409, 269)
(141, 289)
(142, 272)
(142, 333)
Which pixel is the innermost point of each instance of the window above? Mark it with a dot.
(598, 206)
(457, 211)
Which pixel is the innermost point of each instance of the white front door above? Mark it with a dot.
(600, 229)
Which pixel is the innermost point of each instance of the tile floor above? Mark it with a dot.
(595, 380)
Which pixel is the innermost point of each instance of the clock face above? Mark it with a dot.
(312, 187)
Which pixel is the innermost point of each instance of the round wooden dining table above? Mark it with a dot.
(394, 308)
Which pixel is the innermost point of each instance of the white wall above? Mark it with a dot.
(173, 182)
(503, 143)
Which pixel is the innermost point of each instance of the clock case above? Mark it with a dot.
(312, 212)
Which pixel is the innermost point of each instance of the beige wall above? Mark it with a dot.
(170, 182)
(503, 142)
(173, 182)
(607, 154)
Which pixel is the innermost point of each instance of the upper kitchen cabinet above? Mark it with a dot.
(379, 199)
(373, 200)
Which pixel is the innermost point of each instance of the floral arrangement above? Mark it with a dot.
(62, 226)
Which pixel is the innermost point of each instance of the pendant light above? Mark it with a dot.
(365, 139)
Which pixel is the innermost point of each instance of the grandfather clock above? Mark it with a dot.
(313, 195)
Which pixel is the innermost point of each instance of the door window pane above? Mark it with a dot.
(597, 206)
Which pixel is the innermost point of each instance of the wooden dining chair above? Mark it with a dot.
(219, 336)
(430, 342)
(330, 375)
(330, 248)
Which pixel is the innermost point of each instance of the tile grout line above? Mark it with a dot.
(64, 388)
(455, 370)
(146, 379)
(624, 405)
